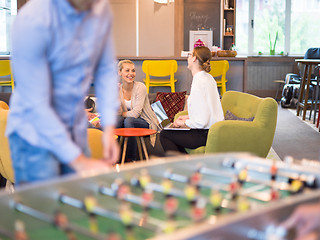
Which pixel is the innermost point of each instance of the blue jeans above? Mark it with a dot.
(32, 163)
(131, 122)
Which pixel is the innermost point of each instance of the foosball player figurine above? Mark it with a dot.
(166, 186)
(274, 194)
(90, 202)
(273, 170)
(296, 186)
(146, 199)
(169, 226)
(121, 189)
(113, 236)
(61, 222)
(195, 179)
(125, 213)
(144, 178)
(170, 206)
(198, 210)
(216, 200)
(20, 231)
(243, 204)
(234, 189)
(191, 193)
(243, 174)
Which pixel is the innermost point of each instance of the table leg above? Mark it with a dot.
(302, 86)
(318, 117)
(144, 148)
(121, 141)
(316, 101)
(306, 96)
(139, 148)
(124, 150)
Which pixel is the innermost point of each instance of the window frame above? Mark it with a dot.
(287, 35)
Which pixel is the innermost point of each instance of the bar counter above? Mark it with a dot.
(252, 74)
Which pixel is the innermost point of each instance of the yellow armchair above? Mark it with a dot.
(6, 169)
(254, 136)
(95, 142)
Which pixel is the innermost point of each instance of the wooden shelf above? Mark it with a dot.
(229, 21)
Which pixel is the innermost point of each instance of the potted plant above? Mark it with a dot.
(273, 46)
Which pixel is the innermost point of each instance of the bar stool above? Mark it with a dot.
(139, 133)
(305, 85)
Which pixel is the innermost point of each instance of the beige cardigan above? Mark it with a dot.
(140, 107)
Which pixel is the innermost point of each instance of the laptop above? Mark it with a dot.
(163, 118)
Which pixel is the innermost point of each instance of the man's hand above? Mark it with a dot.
(83, 163)
(111, 147)
(305, 219)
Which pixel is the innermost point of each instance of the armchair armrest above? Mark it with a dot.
(242, 136)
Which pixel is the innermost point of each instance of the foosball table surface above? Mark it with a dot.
(224, 196)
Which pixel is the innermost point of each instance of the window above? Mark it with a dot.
(295, 22)
(305, 19)
(242, 30)
(8, 11)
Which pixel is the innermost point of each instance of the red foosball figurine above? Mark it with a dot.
(195, 178)
(146, 197)
(171, 205)
(273, 170)
(20, 233)
(123, 190)
(198, 211)
(234, 189)
(274, 194)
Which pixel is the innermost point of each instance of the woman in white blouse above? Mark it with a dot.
(204, 107)
(135, 109)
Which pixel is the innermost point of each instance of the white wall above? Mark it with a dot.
(156, 28)
(124, 26)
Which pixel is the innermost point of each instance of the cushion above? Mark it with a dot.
(230, 116)
(172, 103)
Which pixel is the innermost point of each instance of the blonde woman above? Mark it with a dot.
(135, 109)
(204, 107)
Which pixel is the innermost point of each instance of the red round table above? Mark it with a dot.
(139, 133)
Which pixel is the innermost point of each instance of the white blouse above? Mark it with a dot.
(204, 106)
(128, 104)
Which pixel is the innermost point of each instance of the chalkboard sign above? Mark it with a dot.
(202, 15)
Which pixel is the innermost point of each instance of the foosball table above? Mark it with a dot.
(222, 197)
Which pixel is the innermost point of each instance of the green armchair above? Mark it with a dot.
(254, 136)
